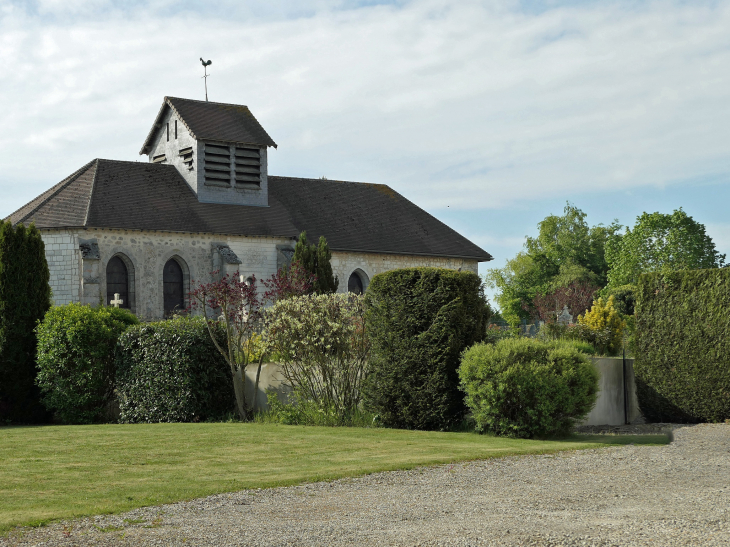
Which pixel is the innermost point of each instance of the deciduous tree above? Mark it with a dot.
(660, 243)
(565, 251)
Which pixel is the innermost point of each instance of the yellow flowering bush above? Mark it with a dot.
(604, 324)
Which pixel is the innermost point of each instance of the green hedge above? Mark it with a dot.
(76, 360)
(25, 296)
(682, 349)
(419, 320)
(526, 388)
(170, 371)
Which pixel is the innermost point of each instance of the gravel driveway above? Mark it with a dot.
(670, 495)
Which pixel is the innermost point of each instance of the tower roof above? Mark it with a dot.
(209, 121)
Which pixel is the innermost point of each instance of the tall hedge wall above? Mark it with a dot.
(25, 297)
(683, 346)
(419, 320)
(170, 371)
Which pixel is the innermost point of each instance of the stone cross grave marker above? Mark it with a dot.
(564, 318)
(117, 301)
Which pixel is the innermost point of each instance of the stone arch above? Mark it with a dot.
(357, 281)
(129, 297)
(175, 284)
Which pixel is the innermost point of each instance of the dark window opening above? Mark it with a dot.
(117, 282)
(175, 129)
(168, 131)
(173, 288)
(354, 284)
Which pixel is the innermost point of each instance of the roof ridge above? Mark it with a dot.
(91, 192)
(205, 102)
(325, 180)
(52, 192)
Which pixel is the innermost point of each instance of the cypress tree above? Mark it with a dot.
(25, 296)
(316, 260)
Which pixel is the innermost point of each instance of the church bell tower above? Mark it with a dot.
(219, 149)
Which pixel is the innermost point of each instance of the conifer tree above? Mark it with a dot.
(25, 296)
(316, 260)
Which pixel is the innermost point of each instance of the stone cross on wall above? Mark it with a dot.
(117, 301)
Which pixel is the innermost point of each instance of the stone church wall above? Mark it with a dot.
(62, 255)
(366, 265)
(78, 276)
(146, 253)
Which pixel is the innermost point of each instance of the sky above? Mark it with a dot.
(490, 115)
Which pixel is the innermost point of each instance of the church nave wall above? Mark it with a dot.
(145, 255)
(345, 263)
(62, 255)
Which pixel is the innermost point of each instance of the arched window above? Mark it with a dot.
(117, 282)
(358, 282)
(173, 287)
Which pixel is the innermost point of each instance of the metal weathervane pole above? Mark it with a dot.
(206, 64)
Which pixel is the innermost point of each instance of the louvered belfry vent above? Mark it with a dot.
(248, 166)
(217, 165)
(187, 156)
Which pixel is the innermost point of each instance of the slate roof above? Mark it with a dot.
(208, 121)
(147, 196)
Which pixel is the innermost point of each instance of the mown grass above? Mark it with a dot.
(55, 472)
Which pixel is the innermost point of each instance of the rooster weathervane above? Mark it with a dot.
(206, 64)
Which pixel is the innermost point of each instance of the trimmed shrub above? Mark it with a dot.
(682, 349)
(603, 326)
(76, 360)
(25, 297)
(170, 371)
(526, 388)
(419, 321)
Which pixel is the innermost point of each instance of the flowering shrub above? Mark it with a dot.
(239, 305)
(323, 347)
(603, 323)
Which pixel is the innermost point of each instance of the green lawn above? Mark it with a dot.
(54, 472)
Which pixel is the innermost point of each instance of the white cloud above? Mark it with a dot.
(469, 104)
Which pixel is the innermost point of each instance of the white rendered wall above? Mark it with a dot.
(63, 257)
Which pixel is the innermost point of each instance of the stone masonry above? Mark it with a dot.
(77, 261)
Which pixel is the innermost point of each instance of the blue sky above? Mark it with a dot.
(488, 114)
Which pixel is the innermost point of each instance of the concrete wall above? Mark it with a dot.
(63, 257)
(609, 409)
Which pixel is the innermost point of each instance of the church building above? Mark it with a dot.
(205, 202)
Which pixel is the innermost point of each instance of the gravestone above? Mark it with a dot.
(564, 317)
(117, 301)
